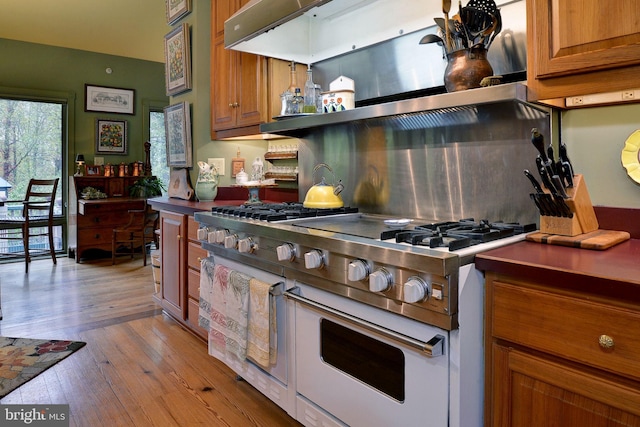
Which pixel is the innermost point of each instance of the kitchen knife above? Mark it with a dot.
(545, 175)
(543, 201)
(567, 167)
(552, 160)
(538, 141)
(557, 182)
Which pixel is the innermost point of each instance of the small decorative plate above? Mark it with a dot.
(631, 156)
(397, 223)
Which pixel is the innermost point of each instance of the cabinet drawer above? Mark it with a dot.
(96, 236)
(567, 327)
(193, 279)
(103, 219)
(195, 254)
(192, 228)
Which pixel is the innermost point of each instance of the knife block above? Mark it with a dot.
(584, 218)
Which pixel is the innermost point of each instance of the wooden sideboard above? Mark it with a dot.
(97, 218)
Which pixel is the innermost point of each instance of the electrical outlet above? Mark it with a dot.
(578, 100)
(628, 94)
(218, 163)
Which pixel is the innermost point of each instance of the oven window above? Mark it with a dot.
(375, 363)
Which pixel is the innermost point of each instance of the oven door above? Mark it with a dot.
(366, 367)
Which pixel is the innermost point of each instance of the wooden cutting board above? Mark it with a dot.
(597, 240)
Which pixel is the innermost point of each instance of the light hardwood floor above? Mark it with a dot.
(139, 367)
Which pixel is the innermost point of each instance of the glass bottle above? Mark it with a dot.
(309, 93)
(298, 102)
(288, 95)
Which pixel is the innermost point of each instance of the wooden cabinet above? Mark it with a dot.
(559, 356)
(173, 238)
(97, 218)
(195, 254)
(239, 100)
(579, 47)
(181, 256)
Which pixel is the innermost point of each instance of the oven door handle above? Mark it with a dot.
(432, 348)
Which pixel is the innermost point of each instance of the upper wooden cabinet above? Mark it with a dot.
(578, 47)
(238, 81)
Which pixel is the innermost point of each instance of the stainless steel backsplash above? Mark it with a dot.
(400, 166)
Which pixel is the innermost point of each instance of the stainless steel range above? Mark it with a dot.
(383, 314)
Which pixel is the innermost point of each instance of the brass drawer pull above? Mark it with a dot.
(606, 342)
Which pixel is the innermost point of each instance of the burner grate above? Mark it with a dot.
(456, 235)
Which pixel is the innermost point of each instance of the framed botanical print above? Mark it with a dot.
(111, 136)
(177, 9)
(109, 99)
(177, 57)
(177, 122)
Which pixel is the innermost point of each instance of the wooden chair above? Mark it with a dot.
(36, 219)
(139, 232)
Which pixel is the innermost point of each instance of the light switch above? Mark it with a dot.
(218, 163)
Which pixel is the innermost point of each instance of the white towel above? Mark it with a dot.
(262, 335)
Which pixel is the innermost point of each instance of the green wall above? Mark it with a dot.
(29, 69)
(203, 147)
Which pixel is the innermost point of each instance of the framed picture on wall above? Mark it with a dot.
(177, 122)
(177, 57)
(111, 136)
(109, 99)
(177, 9)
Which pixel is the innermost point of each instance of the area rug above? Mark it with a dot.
(22, 359)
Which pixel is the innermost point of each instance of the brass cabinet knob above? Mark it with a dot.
(179, 237)
(606, 341)
(230, 105)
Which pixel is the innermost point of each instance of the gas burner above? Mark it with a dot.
(456, 235)
(273, 212)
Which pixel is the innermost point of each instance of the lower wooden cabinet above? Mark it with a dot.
(173, 235)
(181, 256)
(559, 358)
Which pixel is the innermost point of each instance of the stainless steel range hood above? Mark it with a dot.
(260, 16)
(309, 31)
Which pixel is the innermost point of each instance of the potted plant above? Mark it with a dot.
(147, 187)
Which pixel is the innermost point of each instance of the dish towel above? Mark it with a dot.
(207, 266)
(262, 334)
(229, 312)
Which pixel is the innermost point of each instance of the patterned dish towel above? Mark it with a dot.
(239, 313)
(262, 337)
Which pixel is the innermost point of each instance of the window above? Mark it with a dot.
(159, 166)
(31, 146)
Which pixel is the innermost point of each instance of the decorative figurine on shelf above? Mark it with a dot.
(258, 169)
(207, 183)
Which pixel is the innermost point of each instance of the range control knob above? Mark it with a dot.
(247, 245)
(358, 270)
(313, 259)
(220, 235)
(415, 289)
(380, 280)
(231, 241)
(286, 252)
